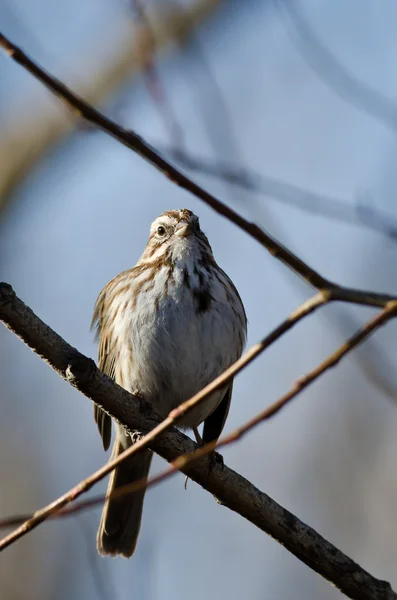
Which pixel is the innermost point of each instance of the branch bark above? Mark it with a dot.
(233, 490)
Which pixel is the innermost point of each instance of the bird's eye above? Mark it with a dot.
(160, 230)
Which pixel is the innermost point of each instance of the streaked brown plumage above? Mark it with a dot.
(167, 327)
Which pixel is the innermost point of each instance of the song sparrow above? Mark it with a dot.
(167, 327)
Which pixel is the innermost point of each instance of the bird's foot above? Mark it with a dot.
(136, 436)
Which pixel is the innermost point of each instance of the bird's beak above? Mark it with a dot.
(183, 230)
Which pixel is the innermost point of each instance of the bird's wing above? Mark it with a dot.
(106, 362)
(213, 425)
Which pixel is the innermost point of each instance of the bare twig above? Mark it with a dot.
(232, 489)
(302, 199)
(389, 312)
(372, 359)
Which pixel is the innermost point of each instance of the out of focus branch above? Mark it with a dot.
(34, 135)
(330, 207)
(232, 489)
(25, 145)
(331, 71)
(152, 77)
(136, 143)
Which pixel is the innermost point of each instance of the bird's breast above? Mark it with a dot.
(185, 329)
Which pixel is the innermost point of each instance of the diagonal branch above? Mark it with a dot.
(361, 334)
(233, 490)
(136, 143)
(313, 203)
(10, 312)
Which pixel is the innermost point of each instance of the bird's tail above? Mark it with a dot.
(121, 517)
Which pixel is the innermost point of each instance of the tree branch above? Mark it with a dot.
(11, 311)
(233, 490)
(357, 214)
(54, 510)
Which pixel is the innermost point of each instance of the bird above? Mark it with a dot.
(166, 328)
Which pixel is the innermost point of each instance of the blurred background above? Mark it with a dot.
(295, 101)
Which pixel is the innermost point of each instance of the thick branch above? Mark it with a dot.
(233, 490)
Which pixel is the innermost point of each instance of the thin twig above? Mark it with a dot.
(304, 200)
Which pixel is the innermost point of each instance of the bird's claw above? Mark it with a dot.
(136, 436)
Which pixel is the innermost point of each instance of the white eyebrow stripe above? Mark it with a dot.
(163, 220)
